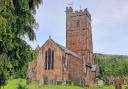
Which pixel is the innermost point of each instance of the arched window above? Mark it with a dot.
(49, 59)
(46, 61)
(52, 59)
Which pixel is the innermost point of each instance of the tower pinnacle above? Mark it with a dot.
(70, 4)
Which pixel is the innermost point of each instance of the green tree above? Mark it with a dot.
(17, 22)
(112, 65)
(125, 67)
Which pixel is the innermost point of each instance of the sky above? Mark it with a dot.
(109, 23)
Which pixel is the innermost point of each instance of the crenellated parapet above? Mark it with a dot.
(69, 10)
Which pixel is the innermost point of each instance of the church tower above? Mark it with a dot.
(79, 39)
(78, 33)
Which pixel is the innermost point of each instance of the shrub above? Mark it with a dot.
(20, 85)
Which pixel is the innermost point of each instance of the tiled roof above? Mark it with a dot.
(67, 50)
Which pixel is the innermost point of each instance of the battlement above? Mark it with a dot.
(78, 12)
(69, 9)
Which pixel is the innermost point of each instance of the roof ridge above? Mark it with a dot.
(67, 50)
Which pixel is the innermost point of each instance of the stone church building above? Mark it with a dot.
(74, 62)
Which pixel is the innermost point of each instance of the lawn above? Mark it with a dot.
(12, 84)
(109, 87)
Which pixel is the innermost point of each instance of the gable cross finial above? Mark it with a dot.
(49, 36)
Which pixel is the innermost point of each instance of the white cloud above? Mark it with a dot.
(111, 12)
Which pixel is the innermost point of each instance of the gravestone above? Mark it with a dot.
(117, 83)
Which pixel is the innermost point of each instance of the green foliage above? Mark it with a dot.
(2, 80)
(5, 68)
(21, 85)
(115, 65)
(17, 22)
(126, 78)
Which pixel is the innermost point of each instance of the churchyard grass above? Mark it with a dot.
(12, 84)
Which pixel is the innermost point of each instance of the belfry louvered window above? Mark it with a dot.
(78, 23)
(49, 59)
